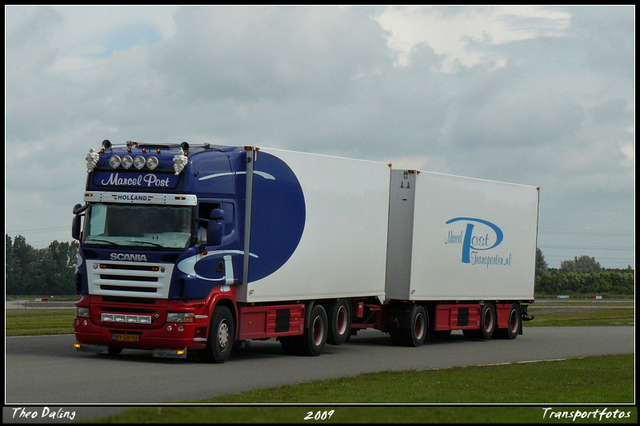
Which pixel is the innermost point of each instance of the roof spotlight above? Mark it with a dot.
(106, 144)
(152, 163)
(114, 161)
(127, 161)
(139, 162)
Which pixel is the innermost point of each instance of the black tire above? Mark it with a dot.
(312, 342)
(397, 336)
(514, 323)
(221, 336)
(416, 335)
(290, 345)
(339, 315)
(471, 334)
(488, 320)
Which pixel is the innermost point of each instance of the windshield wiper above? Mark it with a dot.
(148, 242)
(111, 243)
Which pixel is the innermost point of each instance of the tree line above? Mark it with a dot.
(51, 270)
(582, 275)
(46, 272)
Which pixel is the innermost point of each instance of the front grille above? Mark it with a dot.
(129, 279)
(116, 299)
(128, 288)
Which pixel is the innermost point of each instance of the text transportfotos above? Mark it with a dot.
(577, 414)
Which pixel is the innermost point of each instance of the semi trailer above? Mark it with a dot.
(203, 248)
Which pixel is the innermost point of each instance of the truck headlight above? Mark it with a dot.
(82, 312)
(180, 316)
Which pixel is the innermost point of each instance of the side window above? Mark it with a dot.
(205, 208)
(204, 212)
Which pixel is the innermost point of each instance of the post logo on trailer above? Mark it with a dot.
(479, 235)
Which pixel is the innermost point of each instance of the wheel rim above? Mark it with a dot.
(223, 334)
(488, 319)
(513, 321)
(342, 320)
(418, 326)
(318, 331)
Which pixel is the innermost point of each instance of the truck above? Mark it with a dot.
(204, 248)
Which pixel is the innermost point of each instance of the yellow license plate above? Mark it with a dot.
(126, 337)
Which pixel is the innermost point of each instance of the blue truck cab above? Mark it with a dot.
(162, 243)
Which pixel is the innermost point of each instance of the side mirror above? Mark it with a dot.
(77, 221)
(215, 230)
(75, 227)
(79, 208)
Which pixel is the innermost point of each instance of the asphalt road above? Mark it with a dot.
(47, 370)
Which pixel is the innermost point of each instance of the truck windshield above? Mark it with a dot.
(130, 225)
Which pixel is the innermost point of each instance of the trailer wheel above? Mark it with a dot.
(488, 320)
(417, 332)
(221, 336)
(339, 322)
(514, 324)
(312, 342)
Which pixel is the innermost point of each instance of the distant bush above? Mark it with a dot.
(605, 282)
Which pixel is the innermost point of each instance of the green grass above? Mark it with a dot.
(589, 380)
(581, 313)
(387, 397)
(34, 322)
(615, 316)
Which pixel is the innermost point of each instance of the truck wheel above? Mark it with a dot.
(515, 322)
(419, 328)
(312, 342)
(339, 322)
(488, 320)
(221, 336)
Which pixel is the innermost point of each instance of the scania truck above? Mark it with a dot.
(203, 248)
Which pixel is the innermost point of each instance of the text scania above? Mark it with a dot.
(126, 256)
(149, 180)
(474, 243)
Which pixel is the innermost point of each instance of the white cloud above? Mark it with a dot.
(453, 31)
(541, 96)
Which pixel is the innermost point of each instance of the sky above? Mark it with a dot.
(541, 96)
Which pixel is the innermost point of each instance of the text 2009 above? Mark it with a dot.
(320, 415)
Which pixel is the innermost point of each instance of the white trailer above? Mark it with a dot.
(204, 248)
(342, 251)
(463, 249)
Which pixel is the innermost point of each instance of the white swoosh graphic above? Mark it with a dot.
(188, 265)
(257, 172)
